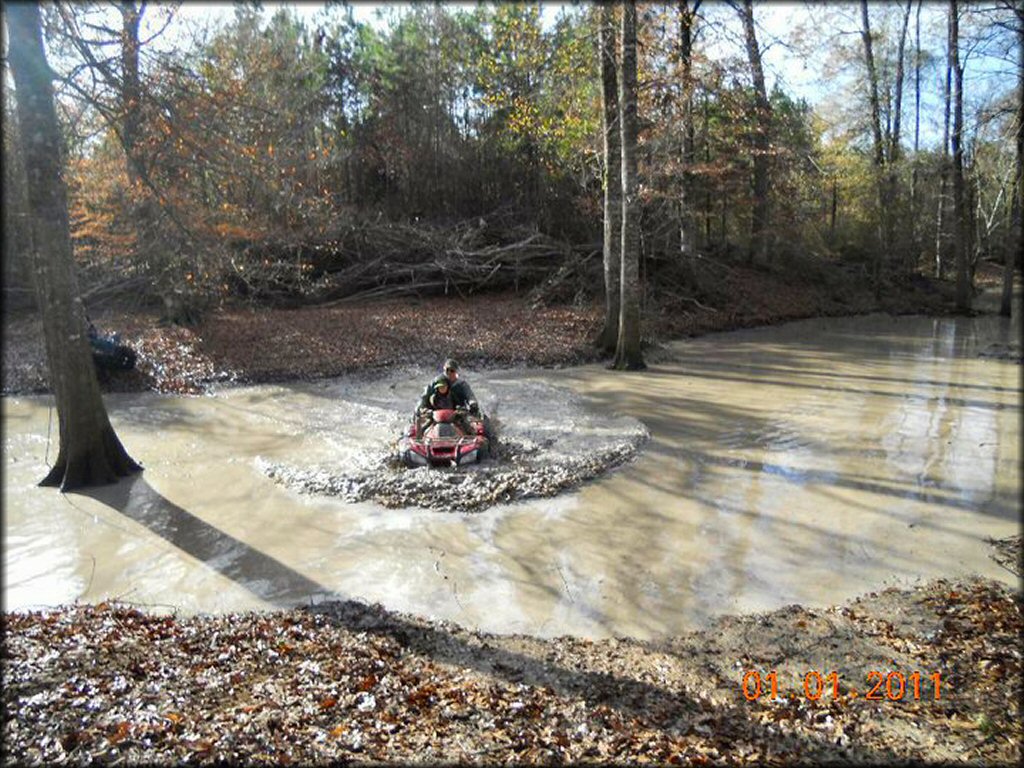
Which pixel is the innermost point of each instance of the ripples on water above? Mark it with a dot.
(807, 462)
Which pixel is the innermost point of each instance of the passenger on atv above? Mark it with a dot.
(461, 393)
(439, 398)
(448, 391)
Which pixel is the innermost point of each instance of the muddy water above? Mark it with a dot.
(802, 463)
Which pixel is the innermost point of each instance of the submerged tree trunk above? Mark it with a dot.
(759, 250)
(90, 452)
(627, 352)
(963, 293)
(612, 180)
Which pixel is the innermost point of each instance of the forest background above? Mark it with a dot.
(293, 158)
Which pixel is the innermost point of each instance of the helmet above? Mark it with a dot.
(451, 365)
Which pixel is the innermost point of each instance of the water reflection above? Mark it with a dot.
(807, 462)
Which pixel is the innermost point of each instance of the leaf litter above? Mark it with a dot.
(346, 681)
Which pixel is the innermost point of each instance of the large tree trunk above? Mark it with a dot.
(759, 250)
(612, 180)
(940, 217)
(897, 108)
(915, 229)
(879, 147)
(1017, 204)
(90, 452)
(131, 88)
(687, 228)
(706, 136)
(627, 353)
(963, 293)
(893, 192)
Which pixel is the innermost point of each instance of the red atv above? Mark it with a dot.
(443, 440)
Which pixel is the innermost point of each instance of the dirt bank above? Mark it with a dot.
(346, 681)
(242, 344)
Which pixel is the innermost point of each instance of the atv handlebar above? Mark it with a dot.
(462, 409)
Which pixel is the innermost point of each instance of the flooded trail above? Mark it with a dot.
(801, 463)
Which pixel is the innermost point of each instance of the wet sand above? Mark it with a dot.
(801, 463)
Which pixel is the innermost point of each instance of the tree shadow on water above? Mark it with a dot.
(514, 659)
(261, 574)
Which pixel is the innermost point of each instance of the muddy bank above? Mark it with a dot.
(246, 345)
(350, 681)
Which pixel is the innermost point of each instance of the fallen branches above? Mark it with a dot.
(375, 259)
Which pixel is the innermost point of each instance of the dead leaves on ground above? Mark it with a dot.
(110, 683)
(266, 344)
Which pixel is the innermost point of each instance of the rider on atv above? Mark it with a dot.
(449, 391)
(461, 393)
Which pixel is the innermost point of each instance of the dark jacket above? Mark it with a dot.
(460, 395)
(439, 401)
(427, 399)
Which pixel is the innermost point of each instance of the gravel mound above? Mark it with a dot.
(552, 444)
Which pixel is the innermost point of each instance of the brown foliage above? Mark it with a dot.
(346, 681)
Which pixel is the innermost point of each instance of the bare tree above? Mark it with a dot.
(914, 188)
(963, 294)
(885, 143)
(612, 180)
(627, 352)
(109, 79)
(90, 452)
(892, 179)
(940, 216)
(687, 34)
(109, 83)
(1017, 204)
(759, 250)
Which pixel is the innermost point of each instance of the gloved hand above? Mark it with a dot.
(474, 408)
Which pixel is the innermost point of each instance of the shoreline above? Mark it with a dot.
(250, 346)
